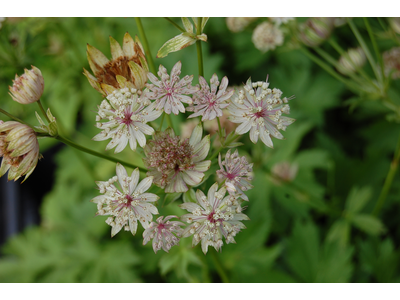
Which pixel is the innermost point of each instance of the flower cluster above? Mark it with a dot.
(259, 110)
(175, 164)
(215, 216)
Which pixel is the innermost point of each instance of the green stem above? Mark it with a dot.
(176, 25)
(376, 49)
(145, 45)
(98, 154)
(218, 266)
(169, 121)
(364, 47)
(227, 142)
(199, 51)
(328, 69)
(13, 117)
(43, 110)
(388, 181)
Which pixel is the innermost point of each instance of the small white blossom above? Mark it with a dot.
(208, 103)
(162, 232)
(128, 206)
(127, 117)
(237, 173)
(215, 216)
(170, 91)
(266, 37)
(259, 110)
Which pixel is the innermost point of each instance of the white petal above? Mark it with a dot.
(244, 127)
(144, 185)
(134, 180)
(121, 174)
(196, 135)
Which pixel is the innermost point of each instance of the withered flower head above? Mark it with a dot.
(128, 61)
(19, 149)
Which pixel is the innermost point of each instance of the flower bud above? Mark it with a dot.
(315, 30)
(27, 88)
(19, 149)
(283, 172)
(391, 62)
(351, 61)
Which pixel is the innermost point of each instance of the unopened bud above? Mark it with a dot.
(27, 88)
(351, 61)
(315, 30)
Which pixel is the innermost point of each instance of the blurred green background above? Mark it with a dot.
(317, 227)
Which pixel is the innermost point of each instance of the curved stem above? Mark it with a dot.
(176, 25)
(388, 181)
(376, 49)
(98, 154)
(220, 269)
(13, 117)
(43, 110)
(145, 45)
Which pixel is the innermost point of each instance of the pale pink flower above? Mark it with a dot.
(236, 172)
(127, 115)
(215, 216)
(164, 233)
(208, 103)
(128, 205)
(28, 88)
(19, 149)
(170, 91)
(259, 110)
(175, 164)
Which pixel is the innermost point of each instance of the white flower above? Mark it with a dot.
(175, 164)
(237, 173)
(162, 233)
(128, 206)
(170, 91)
(127, 117)
(266, 37)
(215, 216)
(208, 103)
(260, 109)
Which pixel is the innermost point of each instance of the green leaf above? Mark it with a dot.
(339, 232)
(367, 223)
(176, 43)
(189, 196)
(357, 199)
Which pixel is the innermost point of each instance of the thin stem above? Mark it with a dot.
(98, 154)
(199, 51)
(13, 117)
(376, 49)
(328, 69)
(364, 47)
(145, 45)
(169, 121)
(43, 110)
(388, 181)
(342, 52)
(227, 142)
(176, 25)
(218, 266)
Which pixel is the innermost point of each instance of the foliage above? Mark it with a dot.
(320, 226)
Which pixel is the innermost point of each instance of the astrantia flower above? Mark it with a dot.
(19, 149)
(391, 61)
(215, 216)
(170, 92)
(237, 24)
(208, 103)
(28, 88)
(128, 206)
(127, 117)
(283, 172)
(266, 37)
(236, 172)
(164, 233)
(175, 164)
(280, 20)
(260, 109)
(352, 60)
(128, 61)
